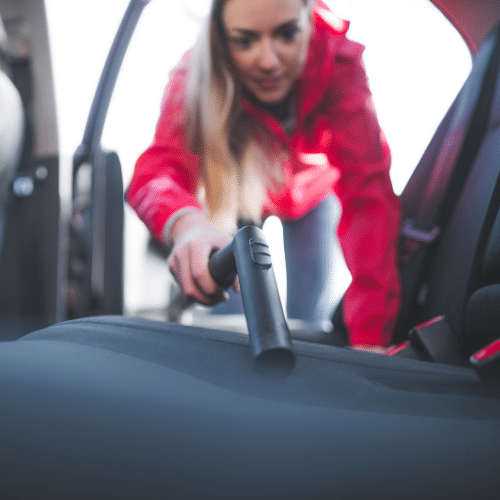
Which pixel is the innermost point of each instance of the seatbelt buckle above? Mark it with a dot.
(413, 238)
(434, 341)
(404, 350)
(486, 361)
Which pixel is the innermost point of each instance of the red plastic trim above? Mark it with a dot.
(430, 322)
(397, 348)
(486, 354)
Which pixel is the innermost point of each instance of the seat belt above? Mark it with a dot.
(454, 160)
(453, 164)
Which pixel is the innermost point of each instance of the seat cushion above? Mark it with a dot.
(125, 408)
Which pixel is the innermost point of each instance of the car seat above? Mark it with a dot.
(462, 164)
(442, 199)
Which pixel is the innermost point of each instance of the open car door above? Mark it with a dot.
(95, 274)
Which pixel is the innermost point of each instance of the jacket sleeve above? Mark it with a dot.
(369, 224)
(166, 175)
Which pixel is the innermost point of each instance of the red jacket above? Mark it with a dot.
(337, 146)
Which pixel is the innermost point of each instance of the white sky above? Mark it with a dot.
(415, 60)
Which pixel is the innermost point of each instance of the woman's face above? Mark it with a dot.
(267, 42)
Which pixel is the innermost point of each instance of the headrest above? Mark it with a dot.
(11, 132)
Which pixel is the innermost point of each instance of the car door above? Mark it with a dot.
(95, 263)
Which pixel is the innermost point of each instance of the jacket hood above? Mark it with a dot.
(328, 44)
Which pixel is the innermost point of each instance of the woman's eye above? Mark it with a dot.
(241, 42)
(289, 33)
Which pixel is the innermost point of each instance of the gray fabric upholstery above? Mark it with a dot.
(114, 407)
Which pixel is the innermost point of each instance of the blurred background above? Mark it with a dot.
(411, 51)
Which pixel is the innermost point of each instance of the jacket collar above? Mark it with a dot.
(326, 42)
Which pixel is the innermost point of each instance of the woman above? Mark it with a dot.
(270, 113)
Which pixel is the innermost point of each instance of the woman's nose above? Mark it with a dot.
(268, 57)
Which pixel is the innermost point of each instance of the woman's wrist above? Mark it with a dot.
(172, 219)
(186, 221)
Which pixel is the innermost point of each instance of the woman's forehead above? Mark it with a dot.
(260, 15)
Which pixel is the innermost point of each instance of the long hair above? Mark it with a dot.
(237, 160)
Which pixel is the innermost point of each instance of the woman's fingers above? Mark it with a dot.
(201, 281)
(189, 265)
(195, 239)
(236, 285)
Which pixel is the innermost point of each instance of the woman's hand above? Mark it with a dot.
(194, 239)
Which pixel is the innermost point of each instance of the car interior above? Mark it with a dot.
(30, 208)
(96, 404)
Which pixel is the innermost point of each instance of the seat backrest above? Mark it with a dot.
(463, 259)
(450, 163)
(454, 136)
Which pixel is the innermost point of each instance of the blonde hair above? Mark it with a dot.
(237, 160)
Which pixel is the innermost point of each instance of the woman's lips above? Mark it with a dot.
(268, 83)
